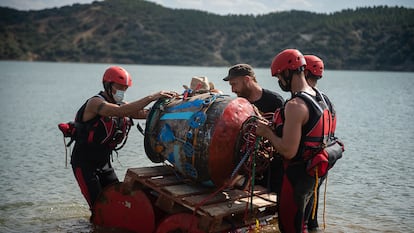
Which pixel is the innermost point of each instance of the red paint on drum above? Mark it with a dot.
(221, 151)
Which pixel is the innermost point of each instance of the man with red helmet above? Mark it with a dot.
(303, 120)
(102, 123)
(314, 69)
(314, 72)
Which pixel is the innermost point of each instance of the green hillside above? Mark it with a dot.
(141, 32)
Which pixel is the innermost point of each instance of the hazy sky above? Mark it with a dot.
(224, 7)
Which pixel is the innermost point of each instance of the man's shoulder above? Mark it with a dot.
(271, 93)
(269, 102)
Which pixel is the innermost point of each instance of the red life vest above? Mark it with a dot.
(333, 112)
(315, 133)
(107, 131)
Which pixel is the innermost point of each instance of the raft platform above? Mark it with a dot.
(216, 210)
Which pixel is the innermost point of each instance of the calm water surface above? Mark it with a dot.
(371, 189)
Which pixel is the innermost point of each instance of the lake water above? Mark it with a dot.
(371, 189)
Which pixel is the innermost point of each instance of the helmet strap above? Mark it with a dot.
(287, 77)
(309, 75)
(108, 90)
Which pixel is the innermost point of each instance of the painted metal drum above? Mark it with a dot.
(197, 135)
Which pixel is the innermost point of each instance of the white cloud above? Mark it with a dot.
(224, 7)
(40, 4)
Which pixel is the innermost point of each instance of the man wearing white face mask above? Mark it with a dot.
(102, 125)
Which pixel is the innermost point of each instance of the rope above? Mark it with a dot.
(253, 144)
(248, 138)
(66, 152)
(315, 193)
(202, 202)
(258, 139)
(247, 204)
(324, 202)
(204, 107)
(257, 229)
(240, 163)
(225, 185)
(253, 182)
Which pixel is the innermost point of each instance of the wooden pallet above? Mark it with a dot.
(218, 211)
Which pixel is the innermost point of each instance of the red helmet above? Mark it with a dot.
(314, 64)
(117, 74)
(290, 59)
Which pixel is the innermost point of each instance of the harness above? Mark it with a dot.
(317, 130)
(316, 146)
(108, 131)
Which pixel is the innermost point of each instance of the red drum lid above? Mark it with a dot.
(222, 155)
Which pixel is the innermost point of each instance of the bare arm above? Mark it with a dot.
(296, 115)
(134, 109)
(141, 114)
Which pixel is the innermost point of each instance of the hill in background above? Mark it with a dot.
(141, 32)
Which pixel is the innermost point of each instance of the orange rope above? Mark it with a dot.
(324, 202)
(202, 202)
(315, 193)
(66, 152)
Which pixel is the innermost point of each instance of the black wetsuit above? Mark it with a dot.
(297, 185)
(91, 155)
(313, 219)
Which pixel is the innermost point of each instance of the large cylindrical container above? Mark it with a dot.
(197, 135)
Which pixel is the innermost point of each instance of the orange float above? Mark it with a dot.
(119, 208)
